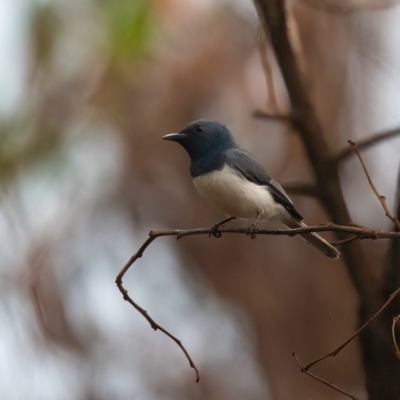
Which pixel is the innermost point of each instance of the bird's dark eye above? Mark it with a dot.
(199, 128)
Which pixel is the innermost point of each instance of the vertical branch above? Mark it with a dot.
(380, 364)
(396, 346)
(304, 119)
(272, 105)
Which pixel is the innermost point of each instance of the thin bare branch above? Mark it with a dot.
(142, 311)
(361, 232)
(395, 319)
(367, 143)
(350, 339)
(381, 198)
(330, 384)
(343, 241)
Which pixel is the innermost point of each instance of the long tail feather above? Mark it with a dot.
(314, 239)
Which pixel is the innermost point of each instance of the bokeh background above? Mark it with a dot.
(87, 90)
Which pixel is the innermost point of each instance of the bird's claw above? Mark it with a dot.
(214, 231)
(251, 231)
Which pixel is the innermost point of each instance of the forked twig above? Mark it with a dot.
(381, 198)
(330, 384)
(343, 345)
(395, 319)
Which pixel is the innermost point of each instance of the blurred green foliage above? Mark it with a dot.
(44, 29)
(129, 27)
(26, 135)
(23, 142)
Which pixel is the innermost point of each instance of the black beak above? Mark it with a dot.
(174, 137)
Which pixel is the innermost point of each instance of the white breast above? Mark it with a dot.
(235, 196)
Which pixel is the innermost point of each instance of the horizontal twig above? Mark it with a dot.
(361, 232)
(302, 189)
(266, 115)
(348, 8)
(343, 241)
(367, 143)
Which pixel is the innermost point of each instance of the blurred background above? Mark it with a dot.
(87, 90)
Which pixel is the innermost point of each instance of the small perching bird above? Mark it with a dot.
(234, 182)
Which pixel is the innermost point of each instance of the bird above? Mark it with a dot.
(234, 182)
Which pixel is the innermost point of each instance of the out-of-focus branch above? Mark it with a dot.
(303, 189)
(381, 372)
(304, 119)
(317, 378)
(381, 198)
(395, 319)
(367, 143)
(349, 7)
(272, 116)
(272, 100)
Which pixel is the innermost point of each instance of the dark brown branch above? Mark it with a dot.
(395, 319)
(142, 311)
(381, 375)
(330, 384)
(305, 121)
(350, 339)
(367, 143)
(381, 198)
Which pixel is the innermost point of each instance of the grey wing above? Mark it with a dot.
(253, 171)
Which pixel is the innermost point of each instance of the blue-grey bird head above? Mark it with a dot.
(205, 141)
